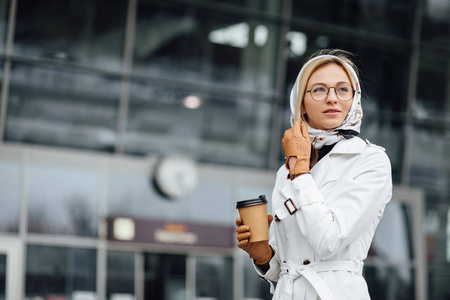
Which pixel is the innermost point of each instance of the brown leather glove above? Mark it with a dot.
(261, 252)
(296, 143)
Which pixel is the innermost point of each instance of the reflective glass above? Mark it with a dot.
(10, 187)
(4, 10)
(120, 276)
(437, 232)
(436, 24)
(390, 282)
(62, 201)
(263, 6)
(385, 129)
(429, 157)
(214, 278)
(232, 129)
(254, 287)
(372, 16)
(432, 103)
(165, 277)
(393, 240)
(55, 107)
(60, 273)
(129, 194)
(88, 32)
(205, 46)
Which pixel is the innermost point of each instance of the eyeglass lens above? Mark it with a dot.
(319, 92)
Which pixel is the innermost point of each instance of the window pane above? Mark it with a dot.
(89, 32)
(433, 87)
(254, 287)
(436, 24)
(53, 272)
(165, 277)
(393, 240)
(132, 195)
(63, 201)
(437, 230)
(263, 6)
(214, 278)
(120, 276)
(429, 157)
(10, 187)
(223, 129)
(54, 107)
(207, 46)
(383, 17)
(386, 130)
(390, 282)
(4, 11)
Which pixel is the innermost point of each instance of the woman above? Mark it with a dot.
(331, 193)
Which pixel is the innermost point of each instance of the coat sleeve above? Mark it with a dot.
(274, 264)
(357, 201)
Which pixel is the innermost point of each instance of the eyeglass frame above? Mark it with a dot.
(335, 92)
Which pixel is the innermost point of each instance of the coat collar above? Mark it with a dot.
(354, 145)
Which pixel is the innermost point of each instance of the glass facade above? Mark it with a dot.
(62, 202)
(73, 32)
(60, 273)
(213, 278)
(165, 277)
(3, 24)
(138, 79)
(62, 108)
(120, 276)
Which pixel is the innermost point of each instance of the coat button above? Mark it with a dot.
(306, 262)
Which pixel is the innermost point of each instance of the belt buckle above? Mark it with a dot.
(293, 205)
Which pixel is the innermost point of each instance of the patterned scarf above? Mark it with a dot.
(352, 123)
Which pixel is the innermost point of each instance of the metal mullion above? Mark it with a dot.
(191, 271)
(126, 71)
(412, 87)
(139, 276)
(7, 67)
(280, 84)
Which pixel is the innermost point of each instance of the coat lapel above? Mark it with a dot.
(324, 171)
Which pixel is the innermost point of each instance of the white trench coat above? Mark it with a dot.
(320, 248)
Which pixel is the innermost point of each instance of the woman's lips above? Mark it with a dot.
(332, 112)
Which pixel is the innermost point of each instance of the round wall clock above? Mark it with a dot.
(175, 176)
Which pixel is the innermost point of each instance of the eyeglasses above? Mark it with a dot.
(344, 92)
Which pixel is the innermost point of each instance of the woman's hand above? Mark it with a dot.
(259, 251)
(297, 148)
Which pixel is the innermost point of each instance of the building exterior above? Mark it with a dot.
(99, 97)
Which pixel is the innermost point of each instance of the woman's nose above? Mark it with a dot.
(331, 96)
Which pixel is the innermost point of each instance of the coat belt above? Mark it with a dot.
(310, 273)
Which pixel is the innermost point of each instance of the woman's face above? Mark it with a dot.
(331, 112)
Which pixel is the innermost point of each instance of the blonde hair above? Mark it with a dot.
(335, 56)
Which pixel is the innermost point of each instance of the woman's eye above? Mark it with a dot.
(343, 89)
(319, 89)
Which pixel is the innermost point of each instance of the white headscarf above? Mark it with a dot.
(319, 137)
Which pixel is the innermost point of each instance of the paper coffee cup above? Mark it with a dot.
(253, 213)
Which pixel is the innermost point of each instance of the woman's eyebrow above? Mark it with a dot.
(337, 83)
